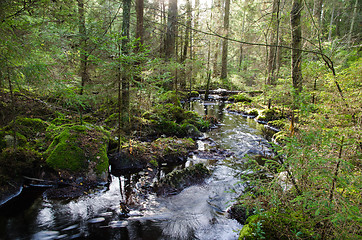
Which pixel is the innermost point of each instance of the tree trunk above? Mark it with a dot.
(317, 12)
(83, 46)
(186, 44)
(331, 25)
(274, 38)
(225, 41)
(295, 18)
(353, 21)
(139, 27)
(171, 30)
(208, 73)
(125, 51)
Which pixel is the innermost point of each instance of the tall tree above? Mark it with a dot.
(125, 51)
(83, 46)
(295, 20)
(170, 41)
(353, 21)
(186, 43)
(317, 12)
(224, 55)
(139, 27)
(274, 39)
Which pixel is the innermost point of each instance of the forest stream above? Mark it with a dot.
(198, 212)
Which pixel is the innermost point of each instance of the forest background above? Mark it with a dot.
(101, 57)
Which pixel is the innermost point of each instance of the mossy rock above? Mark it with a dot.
(178, 180)
(241, 97)
(269, 115)
(80, 149)
(172, 150)
(31, 127)
(241, 107)
(253, 112)
(240, 213)
(20, 161)
(7, 139)
(173, 120)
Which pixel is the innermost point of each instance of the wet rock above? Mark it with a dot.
(239, 213)
(216, 154)
(178, 180)
(123, 163)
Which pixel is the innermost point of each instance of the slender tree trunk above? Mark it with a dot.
(274, 38)
(164, 29)
(125, 51)
(225, 41)
(353, 21)
(83, 46)
(241, 45)
(295, 18)
(208, 73)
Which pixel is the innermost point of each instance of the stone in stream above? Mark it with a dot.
(178, 180)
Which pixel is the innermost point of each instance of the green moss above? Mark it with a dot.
(30, 127)
(253, 112)
(172, 97)
(193, 94)
(246, 233)
(60, 121)
(269, 115)
(280, 124)
(19, 161)
(154, 163)
(77, 146)
(241, 97)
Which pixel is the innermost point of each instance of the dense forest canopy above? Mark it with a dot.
(116, 61)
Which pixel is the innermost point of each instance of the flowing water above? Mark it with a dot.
(198, 212)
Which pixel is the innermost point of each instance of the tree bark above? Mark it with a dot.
(317, 12)
(139, 26)
(274, 38)
(83, 46)
(125, 51)
(331, 25)
(171, 30)
(353, 21)
(296, 70)
(224, 55)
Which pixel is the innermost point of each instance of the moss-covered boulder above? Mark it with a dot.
(80, 150)
(178, 180)
(172, 150)
(241, 97)
(270, 115)
(172, 120)
(136, 155)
